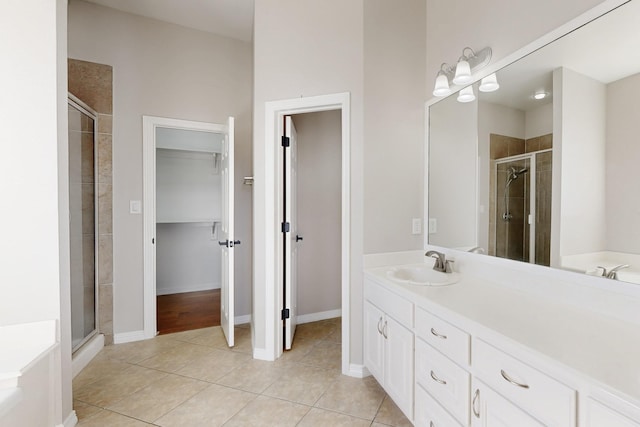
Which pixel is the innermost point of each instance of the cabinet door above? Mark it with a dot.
(601, 415)
(374, 341)
(489, 409)
(398, 362)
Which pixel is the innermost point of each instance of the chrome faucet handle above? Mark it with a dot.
(447, 266)
(440, 260)
(613, 273)
(604, 271)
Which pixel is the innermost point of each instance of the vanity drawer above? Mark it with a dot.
(448, 383)
(429, 413)
(443, 336)
(393, 305)
(550, 401)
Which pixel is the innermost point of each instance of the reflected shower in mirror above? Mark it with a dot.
(545, 167)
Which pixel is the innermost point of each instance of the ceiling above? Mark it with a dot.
(604, 50)
(229, 18)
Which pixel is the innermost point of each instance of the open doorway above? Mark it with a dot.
(189, 227)
(312, 205)
(272, 262)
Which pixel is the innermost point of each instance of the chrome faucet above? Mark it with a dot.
(613, 273)
(441, 263)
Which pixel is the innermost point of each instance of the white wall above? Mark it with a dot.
(622, 171)
(453, 158)
(394, 86)
(165, 70)
(34, 204)
(318, 51)
(501, 120)
(579, 110)
(539, 121)
(319, 211)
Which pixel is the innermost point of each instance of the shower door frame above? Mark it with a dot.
(531, 220)
(81, 106)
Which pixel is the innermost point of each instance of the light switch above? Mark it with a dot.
(433, 226)
(416, 226)
(135, 207)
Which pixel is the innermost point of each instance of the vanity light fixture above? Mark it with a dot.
(466, 95)
(489, 83)
(462, 73)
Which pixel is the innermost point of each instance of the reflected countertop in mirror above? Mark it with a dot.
(545, 169)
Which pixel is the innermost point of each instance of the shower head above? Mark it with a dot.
(515, 173)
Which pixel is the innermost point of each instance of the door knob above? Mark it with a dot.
(298, 238)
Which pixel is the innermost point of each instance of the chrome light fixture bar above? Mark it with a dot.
(462, 73)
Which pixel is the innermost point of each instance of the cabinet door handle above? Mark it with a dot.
(384, 330)
(380, 327)
(476, 397)
(436, 379)
(509, 379)
(435, 334)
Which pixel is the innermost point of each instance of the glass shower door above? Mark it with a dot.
(82, 222)
(513, 208)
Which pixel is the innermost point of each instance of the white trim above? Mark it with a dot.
(274, 111)
(358, 371)
(126, 337)
(241, 320)
(263, 354)
(71, 420)
(149, 124)
(180, 289)
(321, 315)
(86, 353)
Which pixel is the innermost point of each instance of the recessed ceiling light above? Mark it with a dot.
(540, 95)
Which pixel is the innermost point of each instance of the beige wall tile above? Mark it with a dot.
(105, 308)
(105, 208)
(105, 259)
(105, 123)
(92, 83)
(105, 158)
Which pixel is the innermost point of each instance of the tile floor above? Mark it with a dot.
(193, 379)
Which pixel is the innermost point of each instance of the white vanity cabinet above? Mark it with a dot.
(388, 344)
(599, 414)
(490, 409)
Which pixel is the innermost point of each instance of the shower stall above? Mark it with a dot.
(82, 221)
(523, 207)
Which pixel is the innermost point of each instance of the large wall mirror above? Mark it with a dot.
(546, 169)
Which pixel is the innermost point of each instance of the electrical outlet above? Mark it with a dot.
(416, 226)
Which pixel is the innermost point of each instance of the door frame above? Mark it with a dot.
(274, 113)
(149, 125)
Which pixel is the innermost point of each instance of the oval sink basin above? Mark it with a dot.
(422, 275)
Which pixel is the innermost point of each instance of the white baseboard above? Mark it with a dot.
(86, 354)
(125, 337)
(179, 289)
(241, 320)
(71, 420)
(358, 371)
(322, 315)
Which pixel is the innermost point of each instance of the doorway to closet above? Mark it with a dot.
(188, 226)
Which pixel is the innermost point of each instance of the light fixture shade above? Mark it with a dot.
(442, 86)
(463, 73)
(466, 95)
(489, 83)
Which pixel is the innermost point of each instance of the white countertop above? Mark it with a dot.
(601, 348)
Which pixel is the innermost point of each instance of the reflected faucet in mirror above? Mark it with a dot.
(441, 263)
(476, 250)
(613, 273)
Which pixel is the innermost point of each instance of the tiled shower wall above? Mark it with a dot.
(502, 146)
(93, 84)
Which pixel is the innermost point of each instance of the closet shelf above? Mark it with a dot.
(188, 221)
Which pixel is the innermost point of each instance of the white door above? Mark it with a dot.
(291, 237)
(227, 241)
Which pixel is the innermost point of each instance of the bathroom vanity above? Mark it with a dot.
(481, 352)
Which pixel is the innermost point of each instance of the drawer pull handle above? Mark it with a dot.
(476, 395)
(509, 379)
(436, 379)
(379, 327)
(384, 330)
(435, 334)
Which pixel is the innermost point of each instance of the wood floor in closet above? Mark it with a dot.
(187, 311)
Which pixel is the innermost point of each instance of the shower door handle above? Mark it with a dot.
(298, 238)
(229, 243)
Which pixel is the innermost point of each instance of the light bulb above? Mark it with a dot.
(463, 73)
(466, 95)
(489, 83)
(540, 95)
